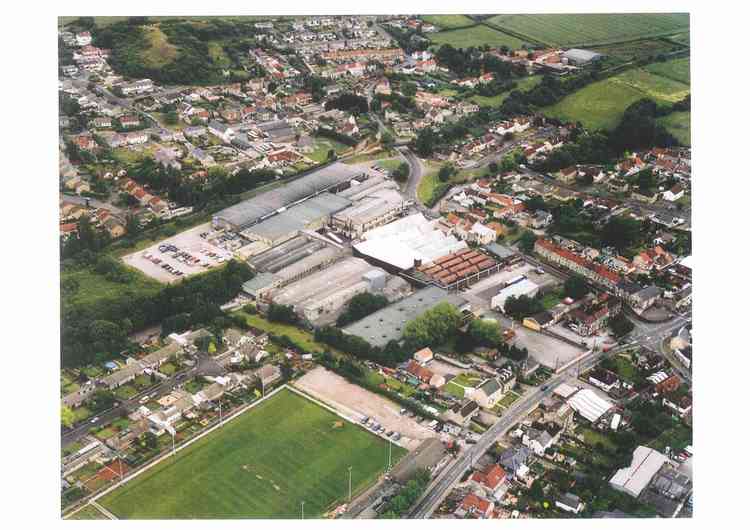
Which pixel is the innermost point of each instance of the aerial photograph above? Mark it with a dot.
(374, 266)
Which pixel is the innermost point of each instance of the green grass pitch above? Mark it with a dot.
(262, 464)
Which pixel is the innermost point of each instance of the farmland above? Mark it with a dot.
(600, 105)
(475, 36)
(678, 124)
(626, 51)
(263, 463)
(589, 29)
(524, 84)
(448, 21)
(676, 70)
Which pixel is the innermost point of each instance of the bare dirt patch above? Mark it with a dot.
(356, 402)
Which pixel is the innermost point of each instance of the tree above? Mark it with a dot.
(387, 140)
(576, 287)
(401, 173)
(485, 332)
(522, 306)
(425, 142)
(621, 232)
(527, 241)
(67, 416)
(171, 118)
(493, 167)
(446, 172)
(360, 306)
(150, 440)
(433, 327)
(620, 325)
(282, 313)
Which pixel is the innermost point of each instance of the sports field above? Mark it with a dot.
(600, 105)
(568, 30)
(475, 36)
(262, 464)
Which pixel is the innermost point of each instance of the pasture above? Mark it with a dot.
(475, 36)
(678, 124)
(600, 105)
(261, 464)
(448, 21)
(589, 29)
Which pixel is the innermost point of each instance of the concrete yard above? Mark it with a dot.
(489, 287)
(355, 402)
(444, 369)
(549, 351)
(188, 241)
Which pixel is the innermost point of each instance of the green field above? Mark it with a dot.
(626, 51)
(678, 124)
(523, 84)
(676, 69)
(475, 36)
(262, 464)
(298, 335)
(88, 512)
(93, 287)
(448, 21)
(600, 105)
(568, 30)
(160, 51)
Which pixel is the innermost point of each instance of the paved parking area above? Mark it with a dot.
(186, 252)
(490, 286)
(356, 402)
(549, 351)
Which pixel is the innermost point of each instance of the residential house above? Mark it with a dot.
(570, 503)
(515, 459)
(542, 438)
(461, 413)
(474, 506)
(490, 479)
(423, 356)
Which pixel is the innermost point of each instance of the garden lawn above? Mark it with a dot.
(454, 390)
(261, 464)
(299, 336)
(476, 36)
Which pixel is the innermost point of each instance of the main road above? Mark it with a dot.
(443, 483)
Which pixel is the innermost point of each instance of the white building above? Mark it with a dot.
(634, 478)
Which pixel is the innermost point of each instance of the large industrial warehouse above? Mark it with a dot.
(319, 297)
(377, 201)
(402, 244)
(388, 323)
(311, 214)
(331, 178)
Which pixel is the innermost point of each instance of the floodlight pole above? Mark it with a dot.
(303, 509)
(173, 450)
(350, 484)
(220, 420)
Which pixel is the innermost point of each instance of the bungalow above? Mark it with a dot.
(425, 375)
(570, 503)
(268, 374)
(567, 175)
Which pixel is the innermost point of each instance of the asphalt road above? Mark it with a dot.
(445, 481)
(205, 366)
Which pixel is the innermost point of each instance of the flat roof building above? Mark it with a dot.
(633, 479)
(251, 211)
(388, 323)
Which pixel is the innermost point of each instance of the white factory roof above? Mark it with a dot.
(565, 390)
(412, 238)
(523, 287)
(645, 464)
(589, 404)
